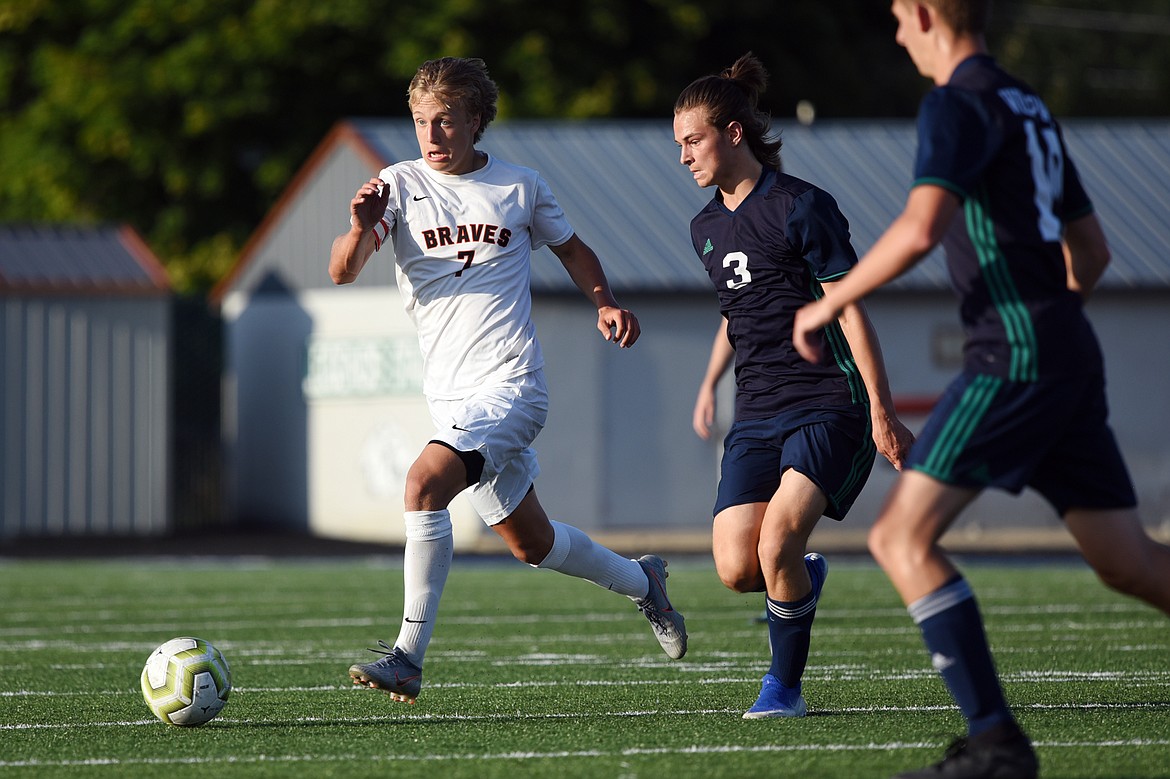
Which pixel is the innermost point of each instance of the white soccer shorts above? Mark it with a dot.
(500, 422)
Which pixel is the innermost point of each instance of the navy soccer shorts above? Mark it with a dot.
(1052, 435)
(833, 447)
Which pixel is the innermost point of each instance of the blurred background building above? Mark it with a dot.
(85, 383)
(322, 408)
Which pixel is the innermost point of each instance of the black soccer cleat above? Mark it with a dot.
(1004, 752)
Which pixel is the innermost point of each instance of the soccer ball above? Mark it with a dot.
(186, 682)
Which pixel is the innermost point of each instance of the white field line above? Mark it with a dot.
(76, 609)
(260, 655)
(513, 716)
(729, 667)
(82, 612)
(891, 746)
(814, 672)
(26, 639)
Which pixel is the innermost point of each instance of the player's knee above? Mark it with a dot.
(417, 486)
(531, 546)
(888, 545)
(424, 489)
(1123, 578)
(741, 578)
(527, 551)
(878, 541)
(782, 550)
(1134, 565)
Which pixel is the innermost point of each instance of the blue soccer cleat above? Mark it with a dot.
(776, 700)
(818, 571)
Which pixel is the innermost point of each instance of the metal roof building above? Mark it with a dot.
(629, 198)
(84, 383)
(321, 422)
(60, 260)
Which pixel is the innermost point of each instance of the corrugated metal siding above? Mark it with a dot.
(625, 194)
(84, 416)
(84, 383)
(1124, 165)
(296, 252)
(628, 197)
(1126, 168)
(867, 168)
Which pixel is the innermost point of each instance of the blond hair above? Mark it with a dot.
(457, 81)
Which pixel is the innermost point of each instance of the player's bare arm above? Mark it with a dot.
(721, 356)
(1086, 254)
(892, 438)
(352, 250)
(616, 324)
(918, 229)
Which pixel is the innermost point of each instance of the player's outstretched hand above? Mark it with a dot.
(892, 438)
(369, 204)
(618, 325)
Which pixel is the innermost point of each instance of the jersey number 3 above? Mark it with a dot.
(737, 261)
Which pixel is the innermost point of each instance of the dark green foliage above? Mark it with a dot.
(187, 119)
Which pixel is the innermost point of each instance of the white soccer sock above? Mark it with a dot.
(575, 554)
(425, 565)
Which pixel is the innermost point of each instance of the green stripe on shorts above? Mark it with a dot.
(960, 425)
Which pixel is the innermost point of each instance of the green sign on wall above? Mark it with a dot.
(362, 367)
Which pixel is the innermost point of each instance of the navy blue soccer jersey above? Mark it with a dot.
(766, 260)
(989, 139)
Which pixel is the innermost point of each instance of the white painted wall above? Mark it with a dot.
(618, 453)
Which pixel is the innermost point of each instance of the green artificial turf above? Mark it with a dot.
(535, 674)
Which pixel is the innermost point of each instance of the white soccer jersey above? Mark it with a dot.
(463, 247)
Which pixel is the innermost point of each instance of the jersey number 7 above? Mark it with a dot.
(467, 254)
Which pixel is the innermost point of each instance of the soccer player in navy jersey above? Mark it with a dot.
(803, 441)
(994, 183)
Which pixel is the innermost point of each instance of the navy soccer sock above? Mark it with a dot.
(952, 629)
(789, 628)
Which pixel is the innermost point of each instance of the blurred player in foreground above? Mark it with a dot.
(802, 444)
(994, 183)
(463, 226)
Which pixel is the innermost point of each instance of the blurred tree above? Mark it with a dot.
(187, 119)
(183, 119)
(1089, 58)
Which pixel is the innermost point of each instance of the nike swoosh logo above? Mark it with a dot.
(420, 197)
(461, 429)
(416, 621)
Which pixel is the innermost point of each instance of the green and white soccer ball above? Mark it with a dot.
(186, 682)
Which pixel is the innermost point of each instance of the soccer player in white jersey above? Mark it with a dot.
(463, 226)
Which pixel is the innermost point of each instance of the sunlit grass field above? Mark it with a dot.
(535, 674)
